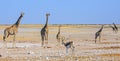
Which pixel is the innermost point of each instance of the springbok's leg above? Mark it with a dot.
(66, 50)
(72, 48)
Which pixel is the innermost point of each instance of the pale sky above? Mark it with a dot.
(62, 11)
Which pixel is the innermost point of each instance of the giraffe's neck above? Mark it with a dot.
(18, 21)
(101, 29)
(46, 22)
(114, 25)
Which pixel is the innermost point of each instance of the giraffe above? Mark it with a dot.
(68, 45)
(12, 30)
(58, 36)
(44, 31)
(116, 28)
(98, 34)
(113, 28)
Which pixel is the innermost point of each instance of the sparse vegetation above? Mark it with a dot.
(29, 48)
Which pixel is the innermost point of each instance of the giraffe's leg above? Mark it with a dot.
(4, 38)
(60, 42)
(116, 30)
(42, 41)
(57, 43)
(4, 44)
(96, 38)
(14, 43)
(60, 39)
(100, 38)
(113, 31)
(46, 38)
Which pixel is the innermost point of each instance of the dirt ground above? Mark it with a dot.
(28, 44)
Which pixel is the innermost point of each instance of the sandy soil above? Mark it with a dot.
(28, 44)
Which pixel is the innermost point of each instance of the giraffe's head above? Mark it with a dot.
(47, 14)
(113, 23)
(22, 14)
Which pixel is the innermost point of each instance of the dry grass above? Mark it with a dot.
(102, 57)
(83, 36)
